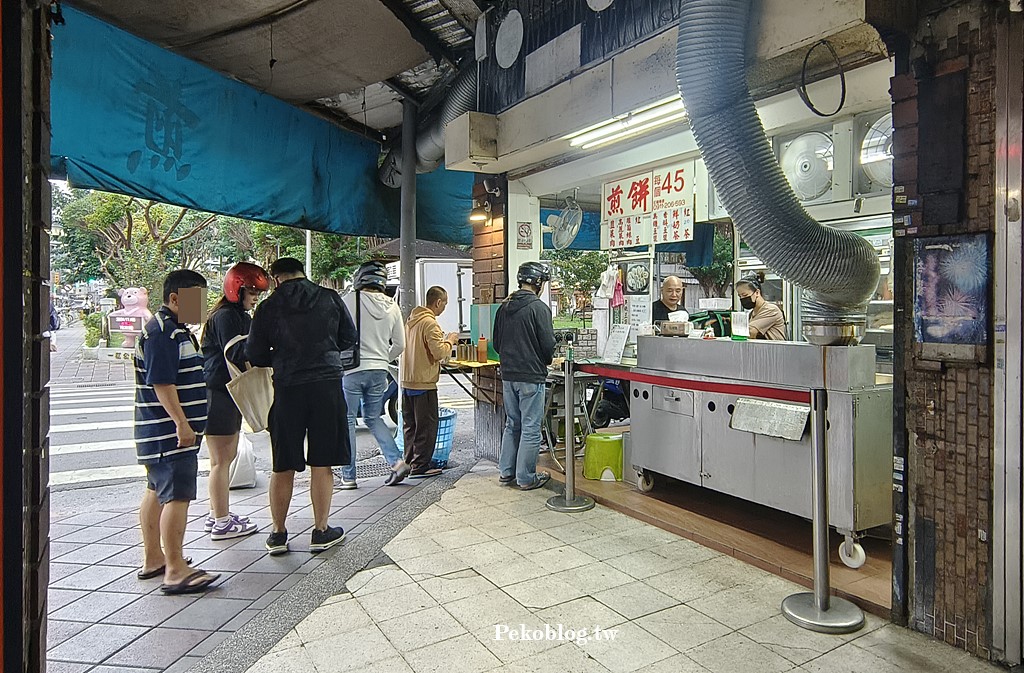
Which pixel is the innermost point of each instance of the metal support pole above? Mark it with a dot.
(569, 501)
(407, 265)
(309, 254)
(820, 611)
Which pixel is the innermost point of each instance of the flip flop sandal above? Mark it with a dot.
(541, 479)
(433, 472)
(150, 574)
(506, 480)
(187, 587)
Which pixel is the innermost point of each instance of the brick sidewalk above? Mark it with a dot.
(68, 367)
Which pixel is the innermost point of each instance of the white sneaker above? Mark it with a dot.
(232, 529)
(348, 485)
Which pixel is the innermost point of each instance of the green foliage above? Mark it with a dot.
(715, 278)
(93, 324)
(578, 270)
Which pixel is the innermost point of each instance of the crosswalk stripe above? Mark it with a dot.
(90, 401)
(80, 411)
(91, 392)
(100, 425)
(89, 447)
(105, 473)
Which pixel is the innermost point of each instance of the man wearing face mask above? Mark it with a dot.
(766, 319)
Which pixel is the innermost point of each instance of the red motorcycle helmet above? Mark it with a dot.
(244, 274)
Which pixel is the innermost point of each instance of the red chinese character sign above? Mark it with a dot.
(673, 203)
(625, 219)
(654, 207)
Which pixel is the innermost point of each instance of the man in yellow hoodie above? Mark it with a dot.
(425, 347)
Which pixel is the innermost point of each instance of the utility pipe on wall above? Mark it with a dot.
(407, 287)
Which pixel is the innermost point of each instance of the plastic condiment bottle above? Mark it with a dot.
(481, 350)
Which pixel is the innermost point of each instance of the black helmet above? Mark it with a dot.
(533, 273)
(371, 274)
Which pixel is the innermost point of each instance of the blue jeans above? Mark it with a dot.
(520, 443)
(367, 388)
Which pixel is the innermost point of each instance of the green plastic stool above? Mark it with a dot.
(603, 458)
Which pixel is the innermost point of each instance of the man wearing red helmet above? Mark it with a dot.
(228, 319)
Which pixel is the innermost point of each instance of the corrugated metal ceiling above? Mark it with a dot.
(334, 57)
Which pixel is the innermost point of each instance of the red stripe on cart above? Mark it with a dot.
(780, 394)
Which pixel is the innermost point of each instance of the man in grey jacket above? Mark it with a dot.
(524, 337)
(381, 341)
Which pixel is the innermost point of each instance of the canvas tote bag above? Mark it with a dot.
(252, 390)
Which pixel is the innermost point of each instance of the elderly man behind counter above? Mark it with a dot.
(671, 299)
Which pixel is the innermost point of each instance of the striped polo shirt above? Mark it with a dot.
(167, 353)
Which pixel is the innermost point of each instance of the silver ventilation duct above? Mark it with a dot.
(837, 270)
(430, 139)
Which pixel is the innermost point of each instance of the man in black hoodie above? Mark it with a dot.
(524, 337)
(300, 331)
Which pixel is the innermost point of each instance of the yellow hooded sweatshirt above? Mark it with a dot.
(425, 348)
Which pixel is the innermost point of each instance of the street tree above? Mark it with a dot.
(716, 277)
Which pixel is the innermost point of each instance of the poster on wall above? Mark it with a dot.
(636, 279)
(952, 294)
(524, 235)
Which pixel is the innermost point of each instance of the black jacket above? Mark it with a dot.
(524, 337)
(300, 331)
(223, 326)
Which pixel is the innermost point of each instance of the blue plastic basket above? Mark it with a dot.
(445, 437)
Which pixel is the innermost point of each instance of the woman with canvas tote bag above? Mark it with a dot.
(223, 345)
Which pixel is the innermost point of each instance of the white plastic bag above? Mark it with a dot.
(242, 473)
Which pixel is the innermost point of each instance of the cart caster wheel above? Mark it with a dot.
(645, 481)
(852, 554)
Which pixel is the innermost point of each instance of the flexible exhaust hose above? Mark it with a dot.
(837, 270)
(430, 139)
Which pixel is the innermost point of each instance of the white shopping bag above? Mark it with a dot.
(242, 473)
(252, 390)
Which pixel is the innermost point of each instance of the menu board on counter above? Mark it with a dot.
(639, 313)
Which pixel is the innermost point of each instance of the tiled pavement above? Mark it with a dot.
(103, 619)
(486, 555)
(67, 365)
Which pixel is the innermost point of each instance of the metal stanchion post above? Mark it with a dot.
(819, 611)
(569, 501)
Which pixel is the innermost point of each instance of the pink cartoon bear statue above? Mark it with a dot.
(134, 302)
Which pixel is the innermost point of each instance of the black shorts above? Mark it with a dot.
(174, 478)
(314, 412)
(222, 415)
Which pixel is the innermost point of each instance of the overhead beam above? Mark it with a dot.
(345, 122)
(434, 45)
(402, 90)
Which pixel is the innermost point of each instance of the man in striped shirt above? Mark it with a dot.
(170, 416)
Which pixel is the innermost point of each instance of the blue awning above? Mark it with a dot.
(133, 118)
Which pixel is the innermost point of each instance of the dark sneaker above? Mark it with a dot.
(539, 480)
(322, 540)
(277, 543)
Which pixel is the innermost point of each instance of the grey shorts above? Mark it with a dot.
(174, 479)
